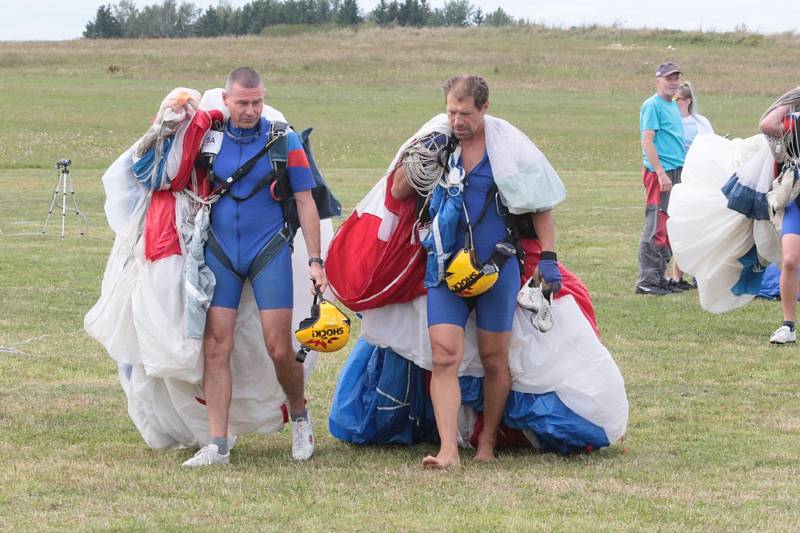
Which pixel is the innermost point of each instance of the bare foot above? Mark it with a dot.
(485, 454)
(441, 461)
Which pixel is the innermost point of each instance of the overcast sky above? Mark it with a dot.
(66, 19)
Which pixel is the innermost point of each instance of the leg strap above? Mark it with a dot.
(268, 253)
(215, 248)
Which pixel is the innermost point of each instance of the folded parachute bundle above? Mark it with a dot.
(375, 257)
(719, 226)
(142, 315)
(567, 392)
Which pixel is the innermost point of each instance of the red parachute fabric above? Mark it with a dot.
(506, 437)
(372, 260)
(160, 232)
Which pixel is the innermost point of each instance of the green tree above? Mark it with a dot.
(380, 15)
(411, 14)
(210, 24)
(498, 17)
(349, 14)
(185, 19)
(478, 17)
(425, 10)
(126, 12)
(394, 12)
(104, 26)
(457, 13)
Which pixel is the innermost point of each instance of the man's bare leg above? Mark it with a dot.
(493, 348)
(217, 347)
(277, 325)
(447, 345)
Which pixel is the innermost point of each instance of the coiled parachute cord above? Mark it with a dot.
(422, 163)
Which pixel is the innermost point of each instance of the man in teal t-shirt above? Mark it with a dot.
(662, 157)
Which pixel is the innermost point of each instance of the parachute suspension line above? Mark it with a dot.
(785, 147)
(422, 163)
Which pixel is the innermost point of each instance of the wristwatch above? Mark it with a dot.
(316, 260)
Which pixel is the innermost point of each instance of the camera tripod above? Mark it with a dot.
(63, 186)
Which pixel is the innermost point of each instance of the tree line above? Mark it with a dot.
(170, 19)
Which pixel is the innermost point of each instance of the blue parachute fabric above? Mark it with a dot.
(352, 416)
(557, 427)
(404, 413)
(771, 283)
(143, 168)
(747, 201)
(445, 209)
(749, 281)
(381, 398)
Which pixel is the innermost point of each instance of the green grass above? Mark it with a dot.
(712, 441)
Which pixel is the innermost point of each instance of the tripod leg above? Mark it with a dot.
(56, 190)
(85, 223)
(65, 175)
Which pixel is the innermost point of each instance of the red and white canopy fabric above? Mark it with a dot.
(374, 258)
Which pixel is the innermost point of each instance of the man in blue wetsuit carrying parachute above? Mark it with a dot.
(249, 240)
(467, 191)
(196, 301)
(467, 207)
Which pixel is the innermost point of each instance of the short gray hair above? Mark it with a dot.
(244, 77)
(465, 86)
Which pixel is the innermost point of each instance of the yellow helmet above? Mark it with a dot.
(465, 275)
(326, 330)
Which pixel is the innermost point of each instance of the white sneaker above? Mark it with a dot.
(543, 318)
(303, 441)
(783, 335)
(207, 456)
(530, 297)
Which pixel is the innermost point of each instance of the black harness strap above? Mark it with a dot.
(264, 257)
(215, 248)
(512, 226)
(225, 185)
(268, 253)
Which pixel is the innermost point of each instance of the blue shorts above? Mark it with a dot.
(273, 286)
(791, 219)
(494, 309)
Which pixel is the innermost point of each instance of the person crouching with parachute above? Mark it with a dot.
(471, 259)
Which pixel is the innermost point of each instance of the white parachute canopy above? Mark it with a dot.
(140, 320)
(709, 239)
(569, 359)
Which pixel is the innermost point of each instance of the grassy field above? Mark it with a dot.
(714, 435)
